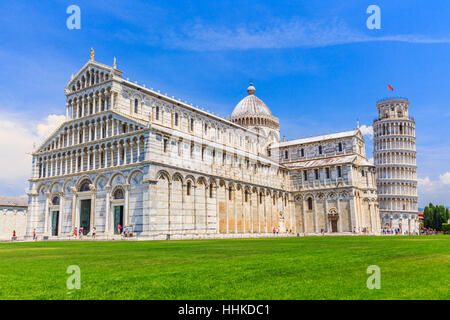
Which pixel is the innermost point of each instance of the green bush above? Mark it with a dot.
(446, 227)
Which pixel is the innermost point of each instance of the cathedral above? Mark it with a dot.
(129, 155)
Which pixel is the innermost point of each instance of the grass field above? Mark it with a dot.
(412, 267)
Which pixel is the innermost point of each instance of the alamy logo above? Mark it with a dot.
(74, 280)
(74, 20)
(374, 281)
(373, 21)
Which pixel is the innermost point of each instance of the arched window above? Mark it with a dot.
(84, 185)
(118, 194)
(210, 190)
(176, 120)
(230, 193)
(157, 113)
(55, 201)
(310, 203)
(136, 103)
(188, 188)
(246, 196)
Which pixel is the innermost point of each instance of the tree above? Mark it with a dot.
(435, 216)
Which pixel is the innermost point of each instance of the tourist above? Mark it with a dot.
(273, 230)
(80, 232)
(34, 234)
(119, 228)
(94, 231)
(75, 232)
(13, 235)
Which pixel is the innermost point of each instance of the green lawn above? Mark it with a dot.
(412, 267)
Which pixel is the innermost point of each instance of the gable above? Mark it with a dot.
(91, 73)
(62, 135)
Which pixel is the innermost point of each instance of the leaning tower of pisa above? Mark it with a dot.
(395, 160)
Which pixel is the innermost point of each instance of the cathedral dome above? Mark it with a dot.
(253, 111)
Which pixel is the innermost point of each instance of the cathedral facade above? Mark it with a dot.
(128, 155)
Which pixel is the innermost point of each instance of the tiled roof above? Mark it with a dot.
(332, 136)
(13, 201)
(321, 162)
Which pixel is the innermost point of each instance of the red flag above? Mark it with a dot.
(390, 88)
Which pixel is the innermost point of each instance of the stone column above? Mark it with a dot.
(108, 214)
(61, 212)
(316, 226)
(112, 100)
(74, 209)
(47, 196)
(126, 206)
(93, 194)
(340, 214)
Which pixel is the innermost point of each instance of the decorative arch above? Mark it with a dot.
(135, 178)
(117, 178)
(331, 196)
(84, 185)
(190, 178)
(42, 188)
(202, 180)
(177, 176)
(56, 200)
(82, 178)
(100, 182)
(118, 193)
(55, 187)
(163, 174)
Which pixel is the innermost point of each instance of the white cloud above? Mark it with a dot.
(445, 178)
(366, 130)
(45, 128)
(17, 137)
(435, 191)
(276, 34)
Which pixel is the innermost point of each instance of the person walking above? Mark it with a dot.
(34, 234)
(119, 229)
(94, 232)
(13, 235)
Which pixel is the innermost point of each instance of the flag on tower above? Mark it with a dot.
(390, 88)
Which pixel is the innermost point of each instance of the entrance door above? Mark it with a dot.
(55, 220)
(118, 218)
(85, 216)
(334, 225)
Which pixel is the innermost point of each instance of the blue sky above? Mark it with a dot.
(314, 63)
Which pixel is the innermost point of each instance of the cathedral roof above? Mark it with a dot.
(321, 162)
(13, 201)
(251, 106)
(337, 135)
